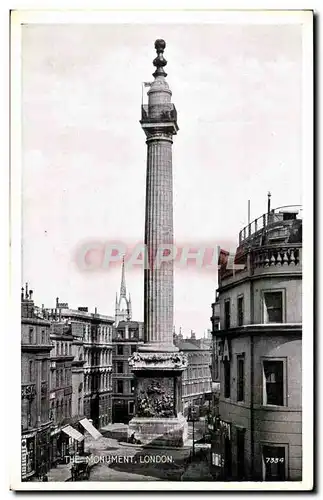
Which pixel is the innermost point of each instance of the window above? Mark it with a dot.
(65, 348)
(43, 370)
(43, 337)
(240, 311)
(31, 335)
(31, 371)
(119, 367)
(240, 453)
(120, 350)
(273, 307)
(133, 349)
(227, 314)
(131, 407)
(273, 382)
(240, 373)
(120, 386)
(29, 419)
(274, 463)
(227, 379)
(133, 334)
(132, 386)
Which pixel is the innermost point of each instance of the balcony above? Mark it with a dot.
(28, 391)
(162, 115)
(264, 260)
(158, 113)
(277, 256)
(268, 245)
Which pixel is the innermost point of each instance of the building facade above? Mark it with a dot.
(126, 338)
(64, 389)
(91, 364)
(77, 369)
(196, 380)
(35, 362)
(258, 351)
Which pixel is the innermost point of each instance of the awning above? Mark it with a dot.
(73, 433)
(90, 428)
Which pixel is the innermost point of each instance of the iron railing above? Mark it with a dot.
(267, 219)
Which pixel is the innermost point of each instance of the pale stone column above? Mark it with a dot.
(159, 231)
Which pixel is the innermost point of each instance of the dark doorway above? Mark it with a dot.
(227, 458)
(120, 414)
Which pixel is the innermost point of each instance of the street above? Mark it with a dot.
(115, 461)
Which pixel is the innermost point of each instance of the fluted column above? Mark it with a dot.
(159, 232)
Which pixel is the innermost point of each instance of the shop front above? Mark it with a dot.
(28, 456)
(42, 450)
(221, 449)
(74, 442)
(54, 452)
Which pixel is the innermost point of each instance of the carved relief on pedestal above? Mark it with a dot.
(158, 361)
(156, 398)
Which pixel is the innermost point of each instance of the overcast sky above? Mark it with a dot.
(237, 90)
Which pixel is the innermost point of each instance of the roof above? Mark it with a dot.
(188, 346)
(73, 313)
(123, 324)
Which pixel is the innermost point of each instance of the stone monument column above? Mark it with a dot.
(158, 365)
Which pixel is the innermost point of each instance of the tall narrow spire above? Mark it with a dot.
(123, 310)
(123, 289)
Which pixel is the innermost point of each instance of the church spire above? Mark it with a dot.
(123, 289)
(123, 310)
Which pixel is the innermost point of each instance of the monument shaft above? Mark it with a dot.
(158, 314)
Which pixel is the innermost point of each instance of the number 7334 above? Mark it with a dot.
(274, 460)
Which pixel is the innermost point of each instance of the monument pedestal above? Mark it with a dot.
(159, 431)
(158, 408)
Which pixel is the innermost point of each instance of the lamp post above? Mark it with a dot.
(193, 417)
